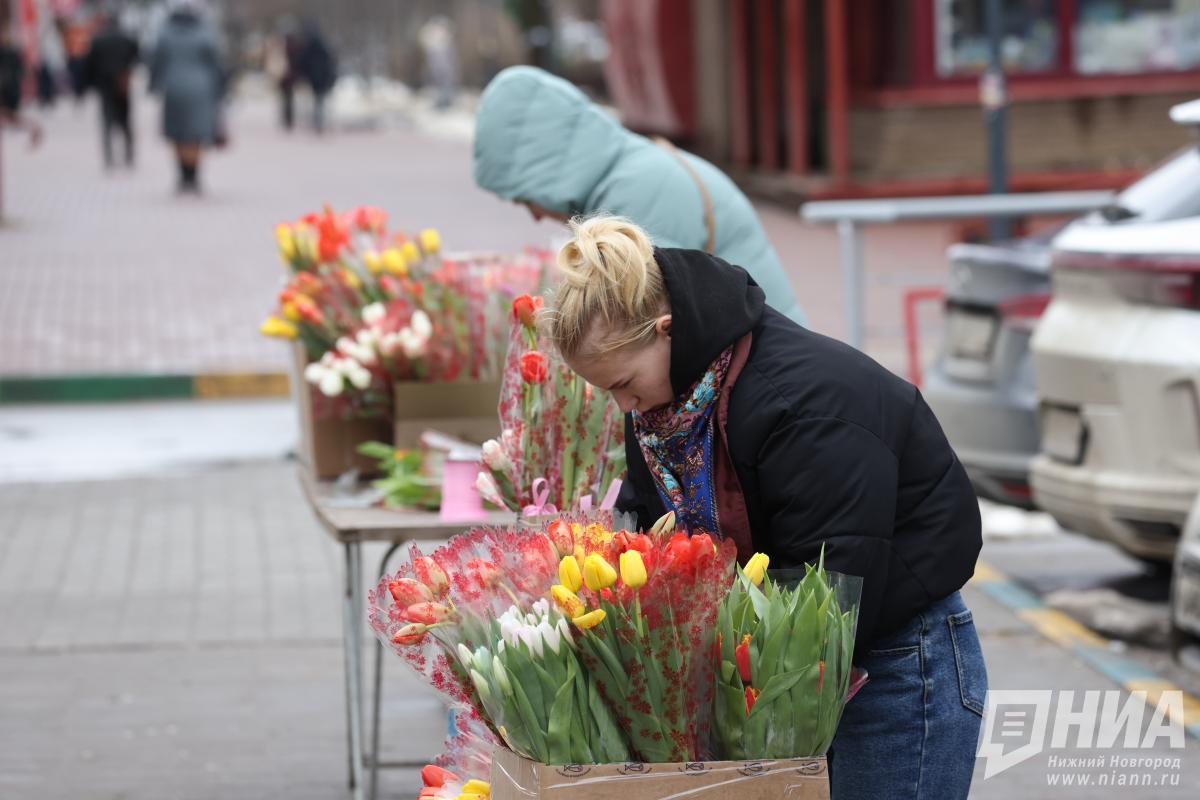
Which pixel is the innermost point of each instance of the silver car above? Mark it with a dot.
(981, 387)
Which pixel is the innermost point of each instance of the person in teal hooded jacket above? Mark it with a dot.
(539, 141)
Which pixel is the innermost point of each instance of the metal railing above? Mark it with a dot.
(850, 215)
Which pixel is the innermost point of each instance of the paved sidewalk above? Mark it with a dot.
(179, 638)
(113, 273)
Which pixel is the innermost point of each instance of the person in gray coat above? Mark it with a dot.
(539, 141)
(186, 70)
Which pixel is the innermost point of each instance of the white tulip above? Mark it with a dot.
(313, 372)
(550, 636)
(374, 313)
(331, 384)
(421, 325)
(360, 378)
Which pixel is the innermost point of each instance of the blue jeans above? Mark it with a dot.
(911, 733)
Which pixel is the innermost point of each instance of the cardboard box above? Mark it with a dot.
(464, 409)
(329, 447)
(517, 778)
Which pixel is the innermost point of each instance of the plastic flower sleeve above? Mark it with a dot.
(784, 661)
(535, 691)
(646, 630)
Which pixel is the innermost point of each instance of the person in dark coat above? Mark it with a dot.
(316, 66)
(752, 428)
(108, 67)
(186, 70)
(12, 76)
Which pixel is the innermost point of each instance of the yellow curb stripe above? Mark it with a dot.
(985, 573)
(240, 384)
(1154, 690)
(1059, 628)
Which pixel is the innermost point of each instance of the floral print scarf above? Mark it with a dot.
(677, 442)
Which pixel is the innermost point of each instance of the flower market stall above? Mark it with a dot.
(579, 656)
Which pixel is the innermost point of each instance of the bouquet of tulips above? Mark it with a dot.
(650, 632)
(784, 661)
(563, 439)
(372, 306)
(472, 618)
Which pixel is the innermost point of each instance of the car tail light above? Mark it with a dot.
(1024, 310)
(1170, 281)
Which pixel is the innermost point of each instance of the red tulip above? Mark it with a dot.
(412, 633)
(703, 549)
(821, 676)
(433, 576)
(524, 309)
(678, 553)
(368, 218)
(407, 591)
(308, 310)
(482, 572)
(751, 698)
(560, 533)
(742, 654)
(433, 775)
(534, 367)
(427, 613)
(332, 235)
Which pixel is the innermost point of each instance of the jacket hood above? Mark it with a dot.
(713, 304)
(538, 138)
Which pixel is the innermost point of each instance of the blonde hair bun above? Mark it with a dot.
(608, 275)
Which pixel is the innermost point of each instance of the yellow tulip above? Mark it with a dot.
(352, 279)
(290, 312)
(274, 326)
(393, 262)
(597, 573)
(476, 786)
(286, 242)
(566, 600)
(633, 569)
(373, 262)
(590, 619)
(756, 567)
(410, 252)
(569, 574)
(431, 242)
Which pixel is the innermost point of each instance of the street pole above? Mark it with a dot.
(993, 95)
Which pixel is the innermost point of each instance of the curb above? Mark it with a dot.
(117, 387)
(1089, 647)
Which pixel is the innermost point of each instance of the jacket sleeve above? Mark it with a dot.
(831, 483)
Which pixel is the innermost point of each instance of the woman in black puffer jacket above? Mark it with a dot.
(752, 428)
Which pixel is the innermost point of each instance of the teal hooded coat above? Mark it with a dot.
(539, 139)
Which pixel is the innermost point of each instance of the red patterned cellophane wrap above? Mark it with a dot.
(556, 427)
(649, 637)
(466, 761)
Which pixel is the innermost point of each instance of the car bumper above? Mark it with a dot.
(1141, 514)
(992, 430)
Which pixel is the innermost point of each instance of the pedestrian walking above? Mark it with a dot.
(539, 141)
(754, 429)
(12, 77)
(186, 71)
(108, 68)
(279, 62)
(316, 65)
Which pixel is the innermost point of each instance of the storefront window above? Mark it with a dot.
(1030, 42)
(1134, 36)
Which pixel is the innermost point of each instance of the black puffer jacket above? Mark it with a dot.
(828, 446)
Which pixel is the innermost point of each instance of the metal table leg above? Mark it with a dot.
(352, 641)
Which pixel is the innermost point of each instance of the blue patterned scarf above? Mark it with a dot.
(677, 443)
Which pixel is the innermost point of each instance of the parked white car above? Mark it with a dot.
(1117, 361)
